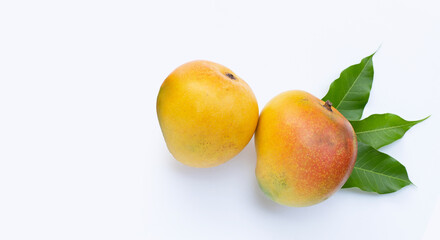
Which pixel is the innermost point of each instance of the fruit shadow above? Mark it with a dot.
(273, 208)
(264, 200)
(244, 165)
(244, 161)
(203, 174)
(309, 213)
(292, 214)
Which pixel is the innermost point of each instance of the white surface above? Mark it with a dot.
(433, 229)
(82, 155)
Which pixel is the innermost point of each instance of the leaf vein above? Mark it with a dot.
(384, 129)
(388, 176)
(357, 78)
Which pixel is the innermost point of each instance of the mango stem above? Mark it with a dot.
(328, 105)
(230, 75)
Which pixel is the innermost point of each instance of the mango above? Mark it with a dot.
(206, 112)
(306, 149)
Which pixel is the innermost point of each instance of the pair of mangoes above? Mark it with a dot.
(306, 149)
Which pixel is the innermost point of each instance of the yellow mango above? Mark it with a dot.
(206, 112)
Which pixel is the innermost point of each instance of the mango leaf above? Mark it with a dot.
(375, 171)
(379, 130)
(350, 92)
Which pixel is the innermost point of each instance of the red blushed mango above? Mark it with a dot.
(306, 149)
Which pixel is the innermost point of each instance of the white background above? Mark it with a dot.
(82, 155)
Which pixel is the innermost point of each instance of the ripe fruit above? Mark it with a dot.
(206, 112)
(306, 149)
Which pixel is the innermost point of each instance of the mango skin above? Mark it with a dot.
(207, 113)
(305, 152)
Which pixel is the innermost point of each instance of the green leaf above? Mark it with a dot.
(379, 130)
(350, 92)
(375, 171)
